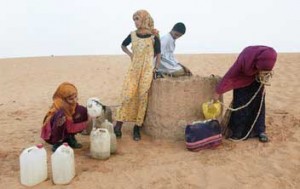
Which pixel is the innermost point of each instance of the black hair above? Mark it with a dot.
(179, 27)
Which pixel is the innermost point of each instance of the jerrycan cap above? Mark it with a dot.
(39, 146)
(65, 144)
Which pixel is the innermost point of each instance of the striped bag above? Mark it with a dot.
(203, 135)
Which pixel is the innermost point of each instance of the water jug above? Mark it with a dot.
(211, 110)
(100, 143)
(107, 125)
(63, 164)
(94, 107)
(113, 139)
(33, 165)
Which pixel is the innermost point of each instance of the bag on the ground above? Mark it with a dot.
(203, 135)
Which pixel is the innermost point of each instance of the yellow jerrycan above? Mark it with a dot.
(211, 110)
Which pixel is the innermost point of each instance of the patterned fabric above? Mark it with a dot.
(240, 121)
(137, 82)
(147, 24)
(59, 129)
(203, 135)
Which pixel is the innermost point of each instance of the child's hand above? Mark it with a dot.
(60, 121)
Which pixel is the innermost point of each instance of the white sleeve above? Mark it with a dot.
(165, 44)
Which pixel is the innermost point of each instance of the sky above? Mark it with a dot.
(32, 28)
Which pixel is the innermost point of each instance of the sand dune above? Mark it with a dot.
(26, 88)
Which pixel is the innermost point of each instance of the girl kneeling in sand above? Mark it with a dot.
(65, 118)
(134, 98)
(247, 78)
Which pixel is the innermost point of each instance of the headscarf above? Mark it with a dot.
(63, 91)
(147, 23)
(243, 72)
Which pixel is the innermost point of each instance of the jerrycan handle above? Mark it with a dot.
(102, 130)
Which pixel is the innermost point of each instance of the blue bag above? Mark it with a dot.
(203, 135)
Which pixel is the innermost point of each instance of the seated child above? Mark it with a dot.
(169, 66)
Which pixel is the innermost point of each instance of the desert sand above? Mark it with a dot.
(26, 88)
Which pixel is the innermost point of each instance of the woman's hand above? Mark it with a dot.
(216, 97)
(127, 51)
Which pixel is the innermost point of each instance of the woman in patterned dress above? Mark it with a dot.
(145, 46)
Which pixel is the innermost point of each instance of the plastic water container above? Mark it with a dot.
(100, 143)
(113, 139)
(113, 143)
(107, 125)
(63, 164)
(94, 107)
(211, 110)
(33, 165)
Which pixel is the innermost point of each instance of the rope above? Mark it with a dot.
(252, 126)
(263, 78)
(245, 105)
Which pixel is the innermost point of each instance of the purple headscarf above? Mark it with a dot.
(250, 61)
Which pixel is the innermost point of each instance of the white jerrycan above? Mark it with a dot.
(33, 165)
(113, 139)
(63, 164)
(100, 143)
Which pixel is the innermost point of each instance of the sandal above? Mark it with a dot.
(263, 137)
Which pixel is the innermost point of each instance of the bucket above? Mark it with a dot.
(63, 164)
(113, 139)
(33, 165)
(100, 143)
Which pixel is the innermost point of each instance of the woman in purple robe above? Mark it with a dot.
(246, 78)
